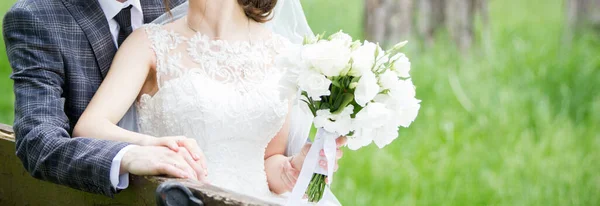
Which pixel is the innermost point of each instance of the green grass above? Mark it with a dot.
(514, 122)
(511, 123)
(7, 98)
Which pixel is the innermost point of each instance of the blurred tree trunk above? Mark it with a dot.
(400, 21)
(460, 20)
(432, 17)
(388, 21)
(583, 13)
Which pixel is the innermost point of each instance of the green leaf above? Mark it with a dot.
(345, 100)
(325, 105)
(336, 83)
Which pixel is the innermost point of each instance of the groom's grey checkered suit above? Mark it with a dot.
(60, 51)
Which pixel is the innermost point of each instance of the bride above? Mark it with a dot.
(209, 77)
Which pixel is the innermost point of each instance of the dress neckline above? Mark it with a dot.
(222, 42)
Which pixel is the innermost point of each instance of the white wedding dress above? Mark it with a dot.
(223, 94)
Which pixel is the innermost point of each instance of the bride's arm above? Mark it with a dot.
(276, 163)
(118, 91)
(123, 83)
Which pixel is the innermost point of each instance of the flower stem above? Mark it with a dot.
(316, 188)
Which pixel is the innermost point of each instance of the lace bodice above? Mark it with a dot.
(223, 94)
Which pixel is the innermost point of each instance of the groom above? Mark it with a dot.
(60, 51)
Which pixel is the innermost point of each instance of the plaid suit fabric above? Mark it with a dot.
(60, 51)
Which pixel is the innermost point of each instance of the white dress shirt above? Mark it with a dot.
(111, 8)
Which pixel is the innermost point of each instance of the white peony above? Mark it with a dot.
(366, 89)
(401, 65)
(342, 37)
(327, 57)
(364, 58)
(338, 123)
(314, 83)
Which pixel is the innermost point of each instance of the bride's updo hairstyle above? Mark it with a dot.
(257, 10)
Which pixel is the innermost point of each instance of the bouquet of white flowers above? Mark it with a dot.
(353, 89)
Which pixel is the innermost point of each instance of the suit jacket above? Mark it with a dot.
(60, 51)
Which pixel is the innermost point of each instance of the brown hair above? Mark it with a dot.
(257, 10)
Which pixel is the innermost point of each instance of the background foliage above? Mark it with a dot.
(515, 121)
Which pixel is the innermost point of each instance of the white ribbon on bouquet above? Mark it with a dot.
(325, 141)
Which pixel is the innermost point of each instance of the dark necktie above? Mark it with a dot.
(123, 18)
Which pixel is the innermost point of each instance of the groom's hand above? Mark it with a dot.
(159, 160)
(177, 143)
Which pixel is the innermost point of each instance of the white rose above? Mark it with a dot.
(366, 89)
(401, 65)
(338, 123)
(342, 37)
(388, 80)
(364, 58)
(314, 83)
(327, 57)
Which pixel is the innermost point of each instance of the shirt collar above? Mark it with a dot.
(112, 7)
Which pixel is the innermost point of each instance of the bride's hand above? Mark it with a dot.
(291, 170)
(177, 143)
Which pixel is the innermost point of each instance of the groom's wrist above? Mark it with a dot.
(118, 175)
(124, 158)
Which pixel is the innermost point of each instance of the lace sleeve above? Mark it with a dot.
(163, 42)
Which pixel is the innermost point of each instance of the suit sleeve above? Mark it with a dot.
(41, 126)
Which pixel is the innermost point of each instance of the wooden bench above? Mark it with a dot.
(17, 187)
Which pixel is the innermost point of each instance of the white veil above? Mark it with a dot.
(288, 21)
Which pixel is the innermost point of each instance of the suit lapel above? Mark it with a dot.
(92, 21)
